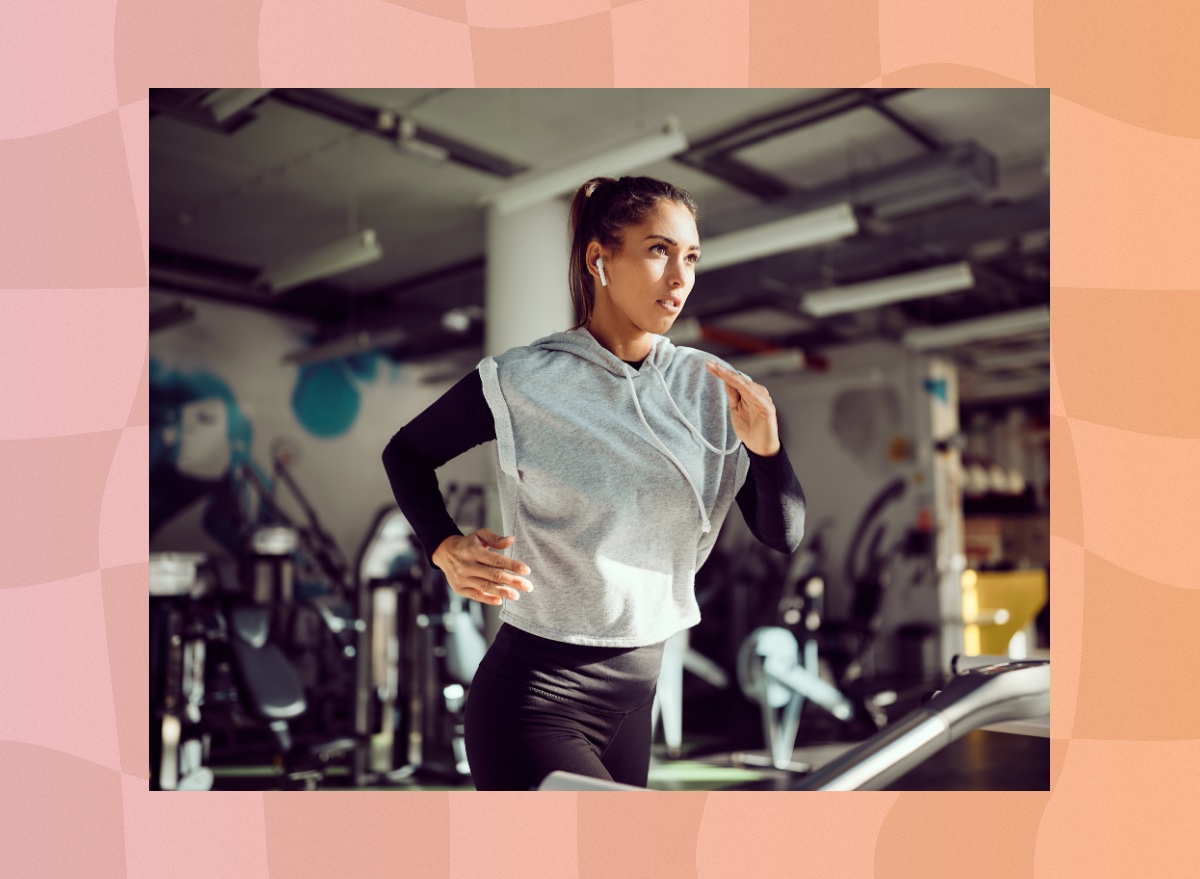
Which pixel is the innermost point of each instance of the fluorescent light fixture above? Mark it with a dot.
(778, 236)
(542, 184)
(1013, 360)
(458, 320)
(759, 366)
(359, 249)
(345, 346)
(1010, 323)
(897, 288)
(407, 140)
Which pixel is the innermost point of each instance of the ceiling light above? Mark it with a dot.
(759, 366)
(359, 249)
(407, 140)
(346, 346)
(458, 320)
(778, 236)
(897, 288)
(1010, 323)
(545, 183)
(1013, 360)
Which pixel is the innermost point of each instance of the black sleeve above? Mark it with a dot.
(457, 421)
(772, 501)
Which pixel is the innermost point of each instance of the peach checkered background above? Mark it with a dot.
(1125, 374)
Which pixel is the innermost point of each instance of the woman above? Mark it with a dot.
(619, 456)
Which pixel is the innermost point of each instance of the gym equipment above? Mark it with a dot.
(300, 569)
(801, 604)
(770, 673)
(974, 698)
(779, 672)
(425, 643)
(213, 663)
(668, 698)
(867, 569)
(178, 745)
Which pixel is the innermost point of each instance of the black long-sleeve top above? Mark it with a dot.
(771, 499)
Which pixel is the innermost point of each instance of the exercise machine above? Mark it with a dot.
(425, 643)
(976, 697)
(178, 744)
(214, 665)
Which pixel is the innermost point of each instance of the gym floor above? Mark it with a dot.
(981, 760)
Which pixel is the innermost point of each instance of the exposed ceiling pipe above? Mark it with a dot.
(170, 315)
(941, 236)
(395, 127)
(221, 110)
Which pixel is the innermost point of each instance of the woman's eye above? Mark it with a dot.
(659, 248)
(693, 258)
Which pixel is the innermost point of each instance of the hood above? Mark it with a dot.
(583, 344)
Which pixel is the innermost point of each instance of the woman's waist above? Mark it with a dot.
(610, 676)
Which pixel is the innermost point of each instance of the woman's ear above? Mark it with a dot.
(594, 254)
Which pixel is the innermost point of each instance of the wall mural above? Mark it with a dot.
(199, 442)
(326, 400)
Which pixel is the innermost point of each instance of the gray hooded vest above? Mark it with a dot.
(614, 482)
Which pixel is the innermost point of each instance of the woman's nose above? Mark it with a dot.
(676, 274)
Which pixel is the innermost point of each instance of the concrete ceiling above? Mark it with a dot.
(270, 174)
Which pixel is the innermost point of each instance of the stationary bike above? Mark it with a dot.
(780, 672)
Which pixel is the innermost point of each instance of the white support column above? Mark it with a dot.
(527, 297)
(527, 257)
(948, 513)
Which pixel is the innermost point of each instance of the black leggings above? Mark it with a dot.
(537, 705)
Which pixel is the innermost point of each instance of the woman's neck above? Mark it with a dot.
(628, 343)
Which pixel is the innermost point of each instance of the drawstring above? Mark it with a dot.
(662, 381)
(707, 524)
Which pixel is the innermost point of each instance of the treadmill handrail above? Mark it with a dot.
(974, 698)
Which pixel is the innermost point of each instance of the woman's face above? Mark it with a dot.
(651, 277)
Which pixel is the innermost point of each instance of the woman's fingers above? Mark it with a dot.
(492, 540)
(751, 409)
(500, 577)
(475, 572)
(741, 387)
(501, 569)
(479, 595)
(492, 583)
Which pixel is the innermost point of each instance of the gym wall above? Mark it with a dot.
(221, 395)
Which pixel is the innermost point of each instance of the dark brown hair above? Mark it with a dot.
(601, 208)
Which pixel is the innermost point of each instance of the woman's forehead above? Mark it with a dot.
(670, 219)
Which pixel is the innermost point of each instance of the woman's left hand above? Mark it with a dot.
(751, 409)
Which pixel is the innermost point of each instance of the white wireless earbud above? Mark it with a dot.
(600, 268)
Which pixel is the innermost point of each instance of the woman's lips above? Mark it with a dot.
(671, 305)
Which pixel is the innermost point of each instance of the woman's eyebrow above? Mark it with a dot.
(671, 241)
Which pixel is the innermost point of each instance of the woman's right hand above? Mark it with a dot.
(477, 573)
